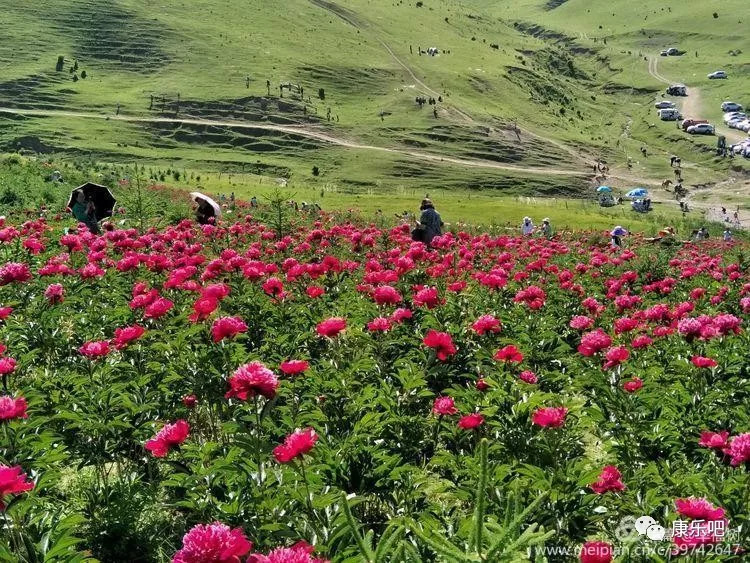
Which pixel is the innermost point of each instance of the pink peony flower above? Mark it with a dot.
(7, 365)
(171, 435)
(301, 552)
(485, 324)
(615, 356)
(126, 335)
(13, 481)
(580, 322)
(94, 350)
(633, 385)
(295, 445)
(509, 354)
(315, 291)
(698, 509)
(427, 297)
(386, 295)
(252, 379)
(11, 409)
(470, 421)
(528, 377)
(593, 342)
(379, 324)
(549, 417)
(227, 327)
(596, 552)
(739, 449)
(294, 367)
(203, 308)
(213, 543)
(13, 272)
(331, 327)
(714, 440)
(158, 308)
(609, 480)
(190, 401)
(441, 342)
(703, 362)
(533, 296)
(55, 293)
(400, 315)
(444, 406)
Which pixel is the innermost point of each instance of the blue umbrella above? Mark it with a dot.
(619, 231)
(637, 192)
(601, 189)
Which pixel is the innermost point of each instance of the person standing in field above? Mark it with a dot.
(546, 228)
(430, 222)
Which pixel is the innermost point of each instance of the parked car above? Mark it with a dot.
(664, 53)
(701, 129)
(677, 90)
(743, 125)
(673, 51)
(733, 115)
(718, 74)
(669, 114)
(690, 122)
(730, 106)
(664, 104)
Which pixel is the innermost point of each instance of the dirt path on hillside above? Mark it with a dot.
(691, 106)
(302, 132)
(354, 20)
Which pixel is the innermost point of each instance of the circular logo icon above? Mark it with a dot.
(643, 523)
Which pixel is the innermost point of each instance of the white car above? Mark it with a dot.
(730, 106)
(718, 74)
(664, 104)
(733, 116)
(743, 125)
(701, 129)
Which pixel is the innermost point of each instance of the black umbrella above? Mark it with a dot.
(100, 196)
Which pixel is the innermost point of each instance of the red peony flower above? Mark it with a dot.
(158, 308)
(580, 322)
(126, 335)
(593, 342)
(7, 365)
(609, 480)
(533, 296)
(203, 308)
(698, 509)
(274, 287)
(441, 342)
(528, 377)
(632, 385)
(444, 406)
(427, 297)
(482, 384)
(5, 312)
(400, 315)
(703, 362)
(379, 324)
(252, 379)
(294, 367)
(14, 272)
(549, 417)
(190, 401)
(171, 435)
(94, 350)
(213, 543)
(331, 327)
(596, 552)
(386, 295)
(485, 324)
(227, 327)
(11, 409)
(315, 291)
(714, 440)
(615, 356)
(470, 421)
(295, 445)
(55, 293)
(12, 482)
(509, 354)
(301, 552)
(739, 449)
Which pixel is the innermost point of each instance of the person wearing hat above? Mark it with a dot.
(527, 227)
(727, 235)
(430, 224)
(617, 233)
(546, 228)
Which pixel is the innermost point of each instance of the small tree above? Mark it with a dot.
(321, 93)
(83, 74)
(278, 209)
(316, 171)
(60, 63)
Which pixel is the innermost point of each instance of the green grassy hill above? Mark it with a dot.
(570, 76)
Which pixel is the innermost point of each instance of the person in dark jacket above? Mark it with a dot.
(429, 221)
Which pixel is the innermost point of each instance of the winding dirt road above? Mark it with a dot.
(692, 106)
(302, 132)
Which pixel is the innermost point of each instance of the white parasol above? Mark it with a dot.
(216, 207)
